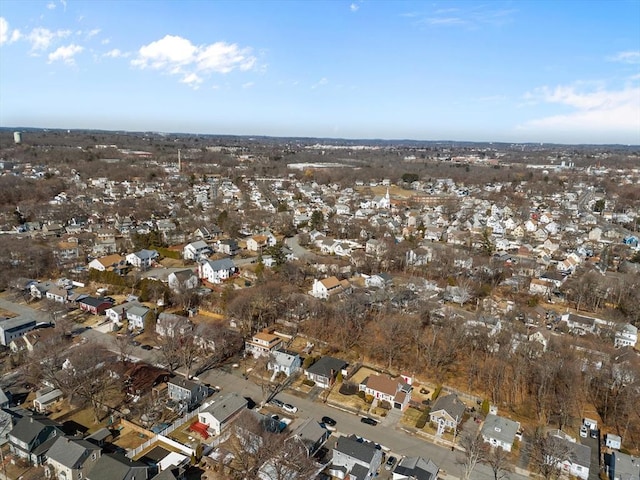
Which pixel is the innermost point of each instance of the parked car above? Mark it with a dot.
(593, 433)
(584, 432)
(369, 421)
(135, 343)
(287, 407)
(277, 403)
(390, 463)
(329, 421)
(146, 347)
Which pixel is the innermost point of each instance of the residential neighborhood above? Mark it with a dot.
(302, 310)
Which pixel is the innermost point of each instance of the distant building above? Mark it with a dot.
(12, 328)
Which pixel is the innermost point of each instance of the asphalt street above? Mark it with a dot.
(397, 441)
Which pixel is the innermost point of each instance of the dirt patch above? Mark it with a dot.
(361, 374)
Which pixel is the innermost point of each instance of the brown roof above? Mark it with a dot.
(331, 282)
(111, 260)
(383, 384)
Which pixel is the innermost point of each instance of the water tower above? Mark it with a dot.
(17, 138)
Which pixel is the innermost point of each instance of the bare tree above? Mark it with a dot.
(548, 453)
(499, 461)
(474, 452)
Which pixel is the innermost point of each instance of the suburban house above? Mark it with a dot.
(16, 327)
(378, 280)
(499, 431)
(579, 324)
(95, 306)
(626, 336)
(614, 442)
(447, 411)
(415, 468)
(311, 434)
(57, 294)
(577, 460)
(257, 243)
(196, 250)
(182, 280)
(219, 415)
(215, 271)
(623, 467)
(186, 391)
(116, 466)
(228, 246)
(284, 361)
(324, 371)
(169, 324)
(32, 437)
(142, 259)
(396, 392)
(46, 398)
(111, 263)
(262, 343)
(328, 287)
(355, 460)
(133, 312)
(72, 458)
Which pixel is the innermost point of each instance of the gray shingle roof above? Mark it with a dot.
(418, 468)
(450, 404)
(500, 428)
(363, 451)
(325, 365)
(29, 427)
(116, 467)
(71, 452)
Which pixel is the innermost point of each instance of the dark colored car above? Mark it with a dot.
(391, 461)
(146, 347)
(369, 421)
(135, 343)
(277, 403)
(329, 421)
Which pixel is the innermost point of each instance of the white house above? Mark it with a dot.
(627, 336)
(182, 280)
(328, 287)
(169, 324)
(196, 250)
(358, 459)
(217, 270)
(573, 458)
(221, 413)
(285, 362)
(613, 441)
(262, 343)
(142, 259)
(499, 431)
(396, 392)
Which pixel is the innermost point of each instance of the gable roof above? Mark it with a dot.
(450, 404)
(383, 384)
(29, 427)
(363, 451)
(222, 264)
(226, 406)
(500, 428)
(417, 467)
(326, 365)
(115, 466)
(71, 452)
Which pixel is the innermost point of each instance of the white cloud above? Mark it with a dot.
(248, 85)
(176, 55)
(51, 5)
(41, 38)
(473, 17)
(322, 82)
(193, 80)
(595, 112)
(116, 53)
(354, 8)
(64, 4)
(65, 54)
(631, 56)
(93, 33)
(4, 30)
(15, 36)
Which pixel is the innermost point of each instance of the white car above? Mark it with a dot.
(584, 432)
(287, 407)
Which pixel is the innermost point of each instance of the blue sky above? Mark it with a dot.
(515, 71)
